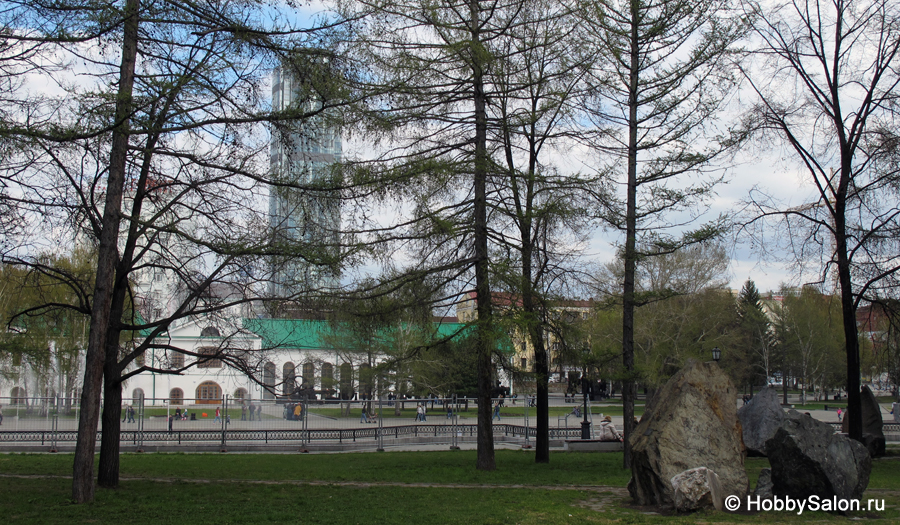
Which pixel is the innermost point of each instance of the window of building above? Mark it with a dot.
(176, 396)
(309, 375)
(18, 396)
(137, 396)
(210, 331)
(287, 372)
(346, 381)
(524, 363)
(327, 376)
(176, 359)
(240, 394)
(209, 392)
(269, 380)
(208, 362)
(366, 380)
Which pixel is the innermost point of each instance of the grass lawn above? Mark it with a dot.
(380, 488)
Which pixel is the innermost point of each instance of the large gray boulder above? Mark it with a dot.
(760, 418)
(692, 424)
(872, 422)
(809, 458)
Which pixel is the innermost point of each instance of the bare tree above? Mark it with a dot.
(160, 164)
(827, 84)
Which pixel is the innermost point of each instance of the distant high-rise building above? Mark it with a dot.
(304, 213)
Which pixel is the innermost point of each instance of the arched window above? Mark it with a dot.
(176, 359)
(327, 376)
(137, 396)
(287, 372)
(206, 362)
(309, 375)
(176, 396)
(346, 381)
(209, 392)
(269, 380)
(18, 396)
(210, 331)
(240, 394)
(366, 382)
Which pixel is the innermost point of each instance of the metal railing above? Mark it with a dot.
(159, 423)
(231, 422)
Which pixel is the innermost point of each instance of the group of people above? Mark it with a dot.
(420, 412)
(253, 409)
(293, 411)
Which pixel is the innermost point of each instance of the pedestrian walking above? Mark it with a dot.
(420, 412)
(496, 413)
(218, 416)
(243, 411)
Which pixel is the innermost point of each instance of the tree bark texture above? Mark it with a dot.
(83, 467)
(484, 367)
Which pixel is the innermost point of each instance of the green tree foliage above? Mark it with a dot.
(45, 322)
(537, 80)
(757, 337)
(810, 331)
(685, 312)
(440, 67)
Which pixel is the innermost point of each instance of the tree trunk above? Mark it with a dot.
(542, 376)
(484, 368)
(628, 301)
(108, 469)
(83, 466)
(851, 335)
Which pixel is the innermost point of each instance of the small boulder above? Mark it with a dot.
(764, 484)
(808, 458)
(692, 424)
(872, 423)
(697, 488)
(760, 418)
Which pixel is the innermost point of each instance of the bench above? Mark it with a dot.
(593, 445)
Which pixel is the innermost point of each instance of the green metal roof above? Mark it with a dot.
(308, 333)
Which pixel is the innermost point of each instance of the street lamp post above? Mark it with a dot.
(585, 424)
